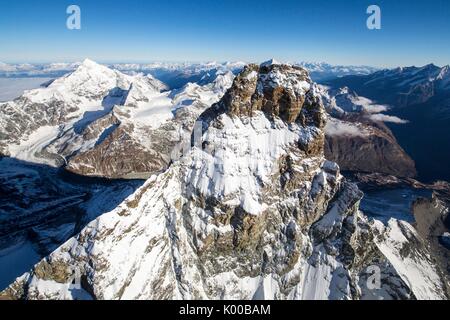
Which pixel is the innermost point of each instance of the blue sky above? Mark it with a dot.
(413, 32)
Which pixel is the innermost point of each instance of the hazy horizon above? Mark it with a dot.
(412, 32)
(35, 63)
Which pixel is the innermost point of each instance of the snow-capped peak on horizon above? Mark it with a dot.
(91, 66)
(270, 62)
(90, 82)
(319, 64)
(58, 69)
(90, 63)
(90, 77)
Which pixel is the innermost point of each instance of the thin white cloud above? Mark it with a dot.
(336, 127)
(385, 118)
(376, 108)
(369, 106)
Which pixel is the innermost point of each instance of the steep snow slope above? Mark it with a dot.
(40, 208)
(252, 211)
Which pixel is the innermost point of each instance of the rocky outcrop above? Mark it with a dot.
(357, 141)
(283, 96)
(252, 211)
(421, 96)
(431, 217)
(371, 148)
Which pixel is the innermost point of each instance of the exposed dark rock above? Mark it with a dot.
(375, 150)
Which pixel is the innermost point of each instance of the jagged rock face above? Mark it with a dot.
(278, 90)
(412, 258)
(24, 116)
(252, 211)
(110, 161)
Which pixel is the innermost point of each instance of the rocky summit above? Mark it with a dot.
(254, 211)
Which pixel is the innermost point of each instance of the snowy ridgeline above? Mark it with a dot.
(174, 74)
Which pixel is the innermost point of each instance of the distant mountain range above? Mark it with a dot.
(321, 71)
(420, 95)
(401, 87)
(177, 74)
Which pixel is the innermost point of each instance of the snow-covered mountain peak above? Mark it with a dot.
(223, 81)
(92, 68)
(69, 103)
(91, 81)
(88, 63)
(270, 62)
(232, 65)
